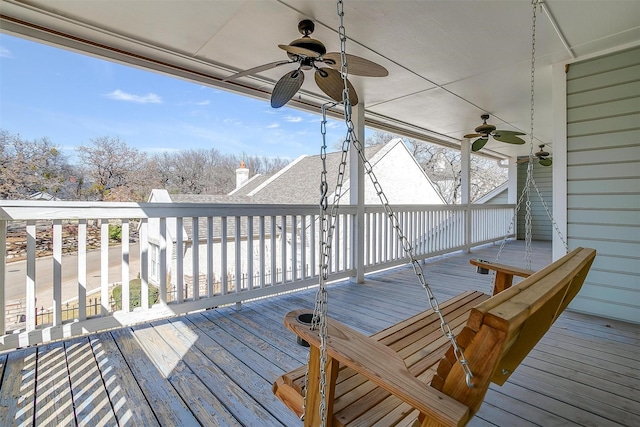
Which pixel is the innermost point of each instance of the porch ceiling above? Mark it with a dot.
(449, 61)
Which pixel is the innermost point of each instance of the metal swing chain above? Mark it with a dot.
(328, 221)
(328, 224)
(530, 181)
(417, 268)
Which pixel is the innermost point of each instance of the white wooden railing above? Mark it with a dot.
(242, 252)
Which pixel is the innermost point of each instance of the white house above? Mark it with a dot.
(399, 174)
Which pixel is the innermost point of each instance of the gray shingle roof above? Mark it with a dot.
(300, 183)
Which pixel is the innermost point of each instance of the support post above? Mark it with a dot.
(465, 190)
(559, 172)
(356, 193)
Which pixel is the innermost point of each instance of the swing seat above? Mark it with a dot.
(407, 374)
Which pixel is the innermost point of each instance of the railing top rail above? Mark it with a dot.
(36, 210)
(46, 210)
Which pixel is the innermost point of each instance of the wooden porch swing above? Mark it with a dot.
(425, 370)
(408, 372)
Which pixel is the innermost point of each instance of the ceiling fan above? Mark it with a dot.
(485, 130)
(310, 54)
(541, 155)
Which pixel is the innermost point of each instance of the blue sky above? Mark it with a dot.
(71, 98)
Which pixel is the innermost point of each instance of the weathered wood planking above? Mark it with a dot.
(198, 400)
(252, 348)
(240, 405)
(230, 373)
(167, 405)
(18, 387)
(54, 403)
(128, 400)
(90, 398)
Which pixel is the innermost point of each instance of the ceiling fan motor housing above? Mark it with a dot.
(485, 129)
(310, 44)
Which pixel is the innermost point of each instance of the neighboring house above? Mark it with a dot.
(497, 196)
(399, 174)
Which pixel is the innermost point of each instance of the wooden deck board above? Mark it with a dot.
(17, 399)
(127, 399)
(92, 406)
(216, 367)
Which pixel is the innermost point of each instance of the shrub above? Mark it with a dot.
(134, 294)
(115, 232)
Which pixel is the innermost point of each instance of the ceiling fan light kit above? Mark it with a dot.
(311, 54)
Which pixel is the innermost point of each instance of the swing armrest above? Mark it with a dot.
(383, 366)
(501, 268)
(504, 273)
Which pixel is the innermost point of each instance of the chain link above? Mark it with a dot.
(530, 181)
(319, 320)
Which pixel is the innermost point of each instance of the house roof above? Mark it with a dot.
(299, 184)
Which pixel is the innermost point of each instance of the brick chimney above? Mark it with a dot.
(242, 175)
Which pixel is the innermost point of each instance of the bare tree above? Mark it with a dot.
(114, 169)
(28, 167)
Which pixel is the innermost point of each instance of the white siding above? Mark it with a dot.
(603, 180)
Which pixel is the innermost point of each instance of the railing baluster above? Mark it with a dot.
(162, 292)
(262, 252)
(57, 272)
(30, 286)
(144, 263)
(210, 275)
(104, 267)
(223, 256)
(250, 252)
(82, 269)
(283, 243)
(195, 255)
(179, 260)
(126, 292)
(273, 251)
(313, 250)
(294, 247)
(303, 246)
(238, 257)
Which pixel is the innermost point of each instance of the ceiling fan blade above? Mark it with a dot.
(300, 51)
(509, 132)
(508, 138)
(256, 70)
(330, 82)
(472, 135)
(545, 162)
(356, 65)
(286, 87)
(479, 143)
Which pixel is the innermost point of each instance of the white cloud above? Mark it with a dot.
(293, 119)
(5, 53)
(273, 126)
(150, 98)
(205, 102)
